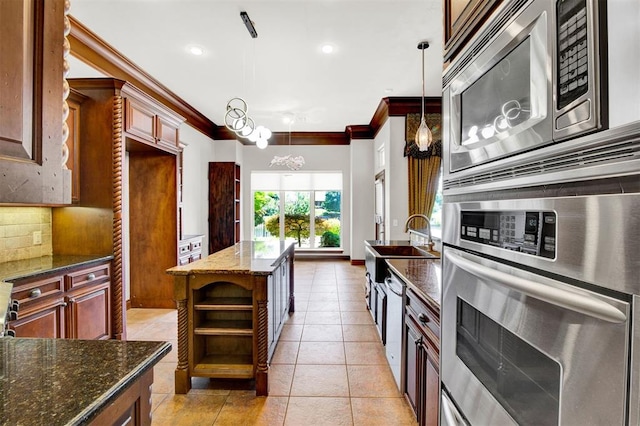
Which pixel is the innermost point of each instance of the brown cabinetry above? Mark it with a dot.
(149, 123)
(462, 18)
(73, 142)
(74, 305)
(124, 132)
(31, 170)
(422, 357)
(224, 205)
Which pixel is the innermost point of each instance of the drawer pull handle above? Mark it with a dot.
(91, 277)
(36, 292)
(423, 318)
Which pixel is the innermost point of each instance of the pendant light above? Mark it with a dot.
(423, 135)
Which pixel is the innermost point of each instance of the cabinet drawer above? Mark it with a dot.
(183, 249)
(196, 245)
(35, 291)
(93, 275)
(424, 317)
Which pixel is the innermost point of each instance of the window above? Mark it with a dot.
(304, 208)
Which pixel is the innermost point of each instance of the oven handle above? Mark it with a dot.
(576, 302)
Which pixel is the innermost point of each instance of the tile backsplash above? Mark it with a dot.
(17, 228)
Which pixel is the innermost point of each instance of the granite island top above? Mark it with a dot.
(422, 275)
(26, 268)
(68, 381)
(244, 257)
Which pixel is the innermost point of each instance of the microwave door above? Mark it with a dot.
(500, 104)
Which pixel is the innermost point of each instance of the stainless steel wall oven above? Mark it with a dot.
(538, 310)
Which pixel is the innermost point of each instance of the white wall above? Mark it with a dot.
(362, 195)
(317, 158)
(392, 138)
(197, 154)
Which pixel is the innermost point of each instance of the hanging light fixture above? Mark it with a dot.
(293, 163)
(423, 135)
(236, 117)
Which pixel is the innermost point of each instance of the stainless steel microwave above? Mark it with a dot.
(532, 77)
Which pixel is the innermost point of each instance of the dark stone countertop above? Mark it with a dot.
(27, 268)
(424, 276)
(67, 381)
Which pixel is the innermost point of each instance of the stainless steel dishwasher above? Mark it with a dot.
(396, 291)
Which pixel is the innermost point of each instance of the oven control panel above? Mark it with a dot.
(531, 232)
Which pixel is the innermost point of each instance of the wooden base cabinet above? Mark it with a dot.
(422, 357)
(75, 305)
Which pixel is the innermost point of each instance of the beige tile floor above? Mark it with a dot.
(329, 367)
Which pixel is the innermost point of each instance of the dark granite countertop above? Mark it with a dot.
(19, 269)
(422, 275)
(67, 381)
(245, 257)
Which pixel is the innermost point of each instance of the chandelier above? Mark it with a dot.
(237, 120)
(293, 163)
(423, 135)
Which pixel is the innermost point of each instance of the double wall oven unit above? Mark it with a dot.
(540, 310)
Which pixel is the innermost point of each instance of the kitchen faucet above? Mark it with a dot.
(426, 219)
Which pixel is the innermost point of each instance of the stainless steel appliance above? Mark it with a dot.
(395, 289)
(536, 74)
(540, 306)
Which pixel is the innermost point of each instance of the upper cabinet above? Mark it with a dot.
(32, 49)
(462, 18)
(150, 122)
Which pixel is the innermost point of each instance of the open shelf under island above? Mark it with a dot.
(231, 309)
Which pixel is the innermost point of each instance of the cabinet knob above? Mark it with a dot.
(36, 292)
(91, 276)
(423, 318)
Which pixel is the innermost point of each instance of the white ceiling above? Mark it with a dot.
(282, 71)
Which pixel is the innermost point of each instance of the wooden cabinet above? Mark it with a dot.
(224, 205)
(113, 145)
(189, 249)
(31, 99)
(74, 305)
(73, 142)
(422, 357)
(147, 121)
(462, 18)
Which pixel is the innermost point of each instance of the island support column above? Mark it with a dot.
(262, 368)
(182, 376)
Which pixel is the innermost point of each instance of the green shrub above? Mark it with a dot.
(330, 239)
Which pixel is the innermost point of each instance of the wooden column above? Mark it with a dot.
(182, 376)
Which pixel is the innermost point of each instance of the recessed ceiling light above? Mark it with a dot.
(195, 50)
(388, 90)
(327, 48)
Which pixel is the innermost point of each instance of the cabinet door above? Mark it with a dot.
(167, 132)
(31, 98)
(88, 313)
(413, 339)
(48, 322)
(140, 121)
(432, 391)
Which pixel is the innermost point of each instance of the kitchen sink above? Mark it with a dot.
(376, 256)
(403, 252)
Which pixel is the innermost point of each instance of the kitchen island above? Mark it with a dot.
(231, 309)
(76, 382)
